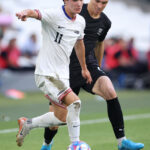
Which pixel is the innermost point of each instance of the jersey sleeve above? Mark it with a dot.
(47, 15)
(82, 31)
(103, 36)
(104, 33)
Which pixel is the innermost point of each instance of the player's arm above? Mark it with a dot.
(28, 13)
(99, 52)
(80, 52)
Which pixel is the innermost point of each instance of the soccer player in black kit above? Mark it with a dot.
(97, 26)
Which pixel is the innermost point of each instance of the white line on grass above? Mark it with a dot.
(103, 120)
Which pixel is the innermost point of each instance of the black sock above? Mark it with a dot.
(49, 134)
(116, 117)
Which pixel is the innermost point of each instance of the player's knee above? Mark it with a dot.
(54, 128)
(77, 104)
(111, 93)
(74, 110)
(61, 115)
(62, 118)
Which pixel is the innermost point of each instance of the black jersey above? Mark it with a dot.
(95, 30)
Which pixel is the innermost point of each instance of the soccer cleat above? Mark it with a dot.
(47, 147)
(23, 130)
(129, 145)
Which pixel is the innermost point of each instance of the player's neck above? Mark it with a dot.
(92, 12)
(69, 13)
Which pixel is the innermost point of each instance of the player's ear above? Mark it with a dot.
(64, 1)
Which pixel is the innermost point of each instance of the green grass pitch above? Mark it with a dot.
(98, 135)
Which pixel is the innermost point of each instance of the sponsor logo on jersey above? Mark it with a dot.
(99, 32)
(77, 32)
(60, 27)
(99, 68)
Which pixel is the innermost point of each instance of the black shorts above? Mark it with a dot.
(77, 81)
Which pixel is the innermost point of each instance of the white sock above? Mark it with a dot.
(73, 120)
(44, 143)
(120, 140)
(46, 120)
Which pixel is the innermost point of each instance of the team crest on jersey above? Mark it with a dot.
(100, 30)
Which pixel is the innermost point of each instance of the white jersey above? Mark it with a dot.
(59, 35)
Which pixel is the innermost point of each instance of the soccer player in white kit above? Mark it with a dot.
(62, 29)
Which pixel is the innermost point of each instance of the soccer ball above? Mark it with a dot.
(79, 145)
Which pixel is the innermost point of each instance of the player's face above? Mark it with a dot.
(74, 6)
(98, 5)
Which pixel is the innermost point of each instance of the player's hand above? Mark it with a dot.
(22, 15)
(86, 75)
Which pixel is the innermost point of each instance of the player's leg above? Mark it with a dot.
(49, 134)
(50, 119)
(73, 117)
(59, 92)
(73, 103)
(103, 87)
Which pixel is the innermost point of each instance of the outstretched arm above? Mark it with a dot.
(28, 13)
(80, 52)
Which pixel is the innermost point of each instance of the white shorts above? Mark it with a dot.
(54, 88)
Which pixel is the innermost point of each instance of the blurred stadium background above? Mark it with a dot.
(19, 45)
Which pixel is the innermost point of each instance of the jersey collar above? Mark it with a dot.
(72, 19)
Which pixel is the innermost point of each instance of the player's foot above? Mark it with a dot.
(23, 130)
(47, 147)
(129, 145)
